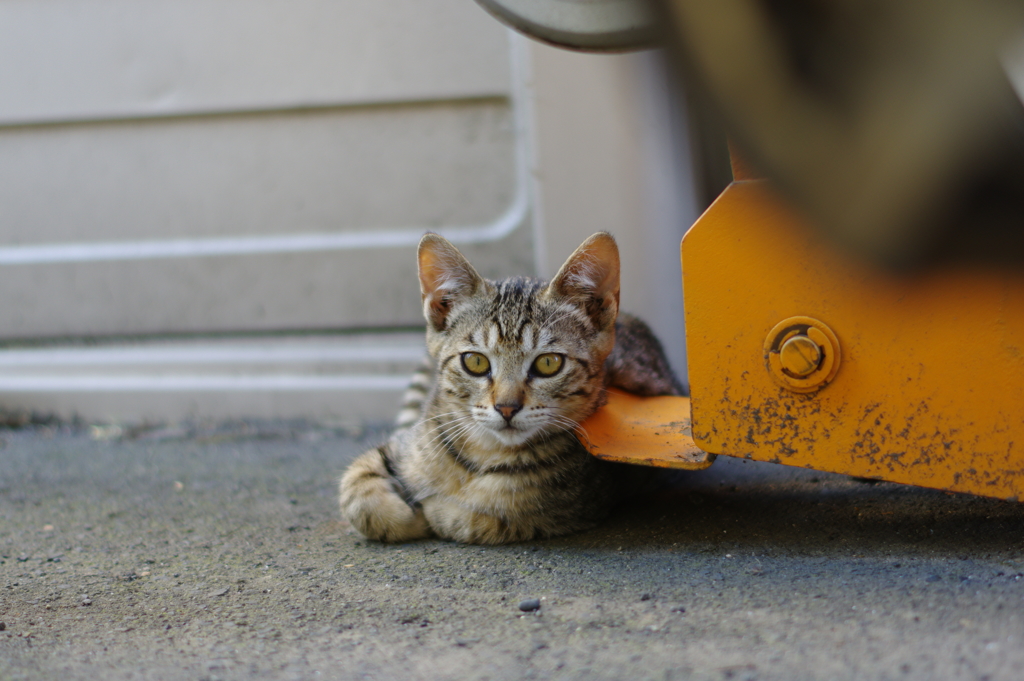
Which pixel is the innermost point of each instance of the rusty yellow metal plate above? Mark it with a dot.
(930, 386)
(648, 431)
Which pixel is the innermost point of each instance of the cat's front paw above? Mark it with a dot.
(369, 501)
(386, 519)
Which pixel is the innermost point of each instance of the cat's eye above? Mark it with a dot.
(475, 363)
(548, 364)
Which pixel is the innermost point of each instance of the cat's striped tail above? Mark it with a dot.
(415, 395)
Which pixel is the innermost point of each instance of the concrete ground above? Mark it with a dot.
(217, 552)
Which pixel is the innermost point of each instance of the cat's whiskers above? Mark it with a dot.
(442, 432)
(440, 426)
(442, 423)
(443, 414)
(462, 426)
(568, 425)
(448, 427)
(462, 436)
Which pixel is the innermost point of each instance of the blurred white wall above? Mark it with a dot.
(198, 166)
(611, 148)
(210, 208)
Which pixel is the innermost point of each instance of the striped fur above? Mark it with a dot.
(492, 457)
(415, 395)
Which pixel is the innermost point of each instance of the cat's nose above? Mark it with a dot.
(508, 410)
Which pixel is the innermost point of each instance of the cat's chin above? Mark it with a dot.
(510, 437)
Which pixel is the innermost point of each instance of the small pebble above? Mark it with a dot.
(3, 626)
(219, 592)
(86, 601)
(529, 605)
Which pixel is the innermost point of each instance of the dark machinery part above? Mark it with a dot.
(893, 125)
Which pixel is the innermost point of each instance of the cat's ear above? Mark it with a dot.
(591, 275)
(446, 277)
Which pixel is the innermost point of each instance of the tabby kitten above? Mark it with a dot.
(485, 451)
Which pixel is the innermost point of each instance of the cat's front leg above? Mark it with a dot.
(451, 520)
(371, 499)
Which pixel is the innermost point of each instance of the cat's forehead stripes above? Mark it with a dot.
(526, 337)
(517, 291)
(514, 305)
(514, 315)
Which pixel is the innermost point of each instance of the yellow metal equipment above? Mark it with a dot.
(799, 354)
(803, 356)
(650, 431)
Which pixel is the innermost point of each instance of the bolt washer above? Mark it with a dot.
(821, 335)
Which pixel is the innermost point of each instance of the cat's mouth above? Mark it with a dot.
(511, 435)
(508, 430)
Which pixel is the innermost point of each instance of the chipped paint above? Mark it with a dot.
(931, 388)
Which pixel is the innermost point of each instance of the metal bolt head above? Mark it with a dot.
(800, 356)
